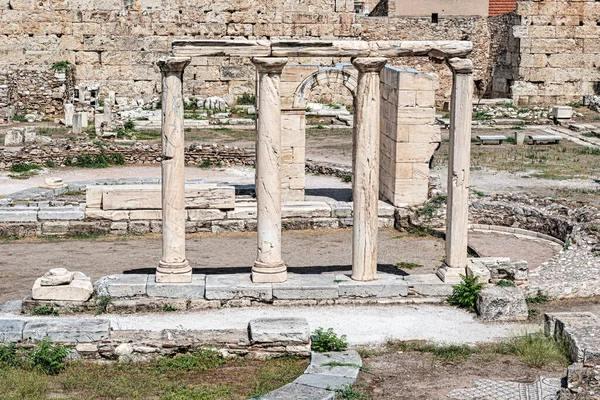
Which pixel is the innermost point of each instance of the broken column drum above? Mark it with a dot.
(173, 266)
(269, 266)
(365, 168)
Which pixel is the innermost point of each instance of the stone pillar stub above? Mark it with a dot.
(459, 159)
(269, 266)
(173, 266)
(365, 168)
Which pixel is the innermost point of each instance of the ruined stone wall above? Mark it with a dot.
(559, 51)
(504, 56)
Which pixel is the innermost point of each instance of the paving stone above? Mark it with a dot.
(428, 285)
(192, 290)
(346, 357)
(12, 306)
(61, 213)
(324, 381)
(121, 285)
(293, 391)
(268, 330)
(544, 388)
(387, 285)
(236, 286)
(11, 330)
(304, 286)
(79, 330)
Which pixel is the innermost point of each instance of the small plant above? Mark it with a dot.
(308, 109)
(349, 393)
(46, 310)
(102, 303)
(434, 204)
(319, 127)
(465, 293)
(206, 163)
(49, 163)
(47, 357)
(594, 228)
(481, 116)
(567, 244)
(205, 359)
(478, 193)
(169, 308)
(8, 355)
(539, 298)
(246, 99)
(327, 340)
(68, 161)
(407, 265)
(19, 117)
(505, 283)
(20, 168)
(129, 125)
(347, 178)
(60, 66)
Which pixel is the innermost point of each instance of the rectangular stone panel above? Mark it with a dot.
(302, 287)
(236, 286)
(269, 330)
(192, 290)
(11, 330)
(149, 197)
(72, 330)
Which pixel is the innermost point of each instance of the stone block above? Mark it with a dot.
(112, 215)
(72, 330)
(121, 285)
(270, 330)
(386, 285)
(243, 211)
(298, 392)
(61, 213)
(11, 330)
(496, 303)
(206, 214)
(305, 209)
(323, 381)
(192, 290)
(236, 286)
(18, 215)
(319, 364)
(145, 215)
(48, 287)
(139, 227)
(562, 112)
(302, 286)
(478, 269)
(228, 226)
(55, 227)
(428, 285)
(341, 209)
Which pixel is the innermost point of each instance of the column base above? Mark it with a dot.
(269, 273)
(450, 275)
(174, 272)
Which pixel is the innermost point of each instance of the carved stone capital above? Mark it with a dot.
(460, 65)
(173, 64)
(369, 64)
(270, 65)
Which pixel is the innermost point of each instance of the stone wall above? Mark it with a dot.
(559, 51)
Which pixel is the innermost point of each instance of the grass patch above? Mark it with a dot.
(429, 209)
(275, 374)
(169, 308)
(349, 393)
(539, 298)
(147, 135)
(246, 99)
(51, 131)
(74, 193)
(46, 310)
(102, 303)
(205, 359)
(505, 283)
(25, 167)
(407, 265)
(101, 160)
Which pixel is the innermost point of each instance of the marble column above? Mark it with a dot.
(269, 266)
(459, 159)
(173, 266)
(365, 168)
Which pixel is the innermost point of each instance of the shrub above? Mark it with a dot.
(169, 308)
(206, 163)
(8, 355)
(246, 99)
(60, 66)
(129, 125)
(47, 357)
(19, 168)
(328, 340)
(465, 293)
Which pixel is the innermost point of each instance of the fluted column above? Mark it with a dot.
(365, 168)
(269, 266)
(459, 159)
(173, 266)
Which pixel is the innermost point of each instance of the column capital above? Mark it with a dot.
(173, 64)
(269, 64)
(460, 65)
(369, 64)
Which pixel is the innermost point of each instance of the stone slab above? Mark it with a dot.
(121, 285)
(387, 285)
(298, 392)
(192, 290)
(324, 381)
(61, 213)
(269, 330)
(11, 330)
(236, 286)
(76, 290)
(428, 285)
(496, 303)
(12, 306)
(303, 286)
(18, 215)
(319, 364)
(149, 197)
(78, 330)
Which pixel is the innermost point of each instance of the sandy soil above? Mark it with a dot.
(417, 376)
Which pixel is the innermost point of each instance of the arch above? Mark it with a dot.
(323, 76)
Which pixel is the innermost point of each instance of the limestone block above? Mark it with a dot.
(111, 215)
(562, 112)
(78, 330)
(77, 123)
(121, 285)
(236, 286)
(305, 209)
(269, 330)
(478, 269)
(428, 285)
(11, 330)
(69, 112)
(386, 285)
(56, 276)
(139, 227)
(14, 137)
(495, 303)
(300, 392)
(192, 290)
(61, 213)
(207, 214)
(323, 381)
(79, 289)
(227, 226)
(55, 227)
(148, 197)
(300, 287)
(18, 215)
(243, 211)
(145, 215)
(341, 209)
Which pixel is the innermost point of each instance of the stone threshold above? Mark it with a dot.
(134, 293)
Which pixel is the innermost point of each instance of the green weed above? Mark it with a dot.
(47, 357)
(539, 298)
(246, 99)
(347, 178)
(465, 293)
(102, 303)
(60, 66)
(204, 359)
(46, 310)
(349, 393)
(407, 265)
(505, 283)
(327, 340)
(169, 308)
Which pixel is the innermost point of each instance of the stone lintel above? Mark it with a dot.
(331, 48)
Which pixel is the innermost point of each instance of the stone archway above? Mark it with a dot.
(325, 76)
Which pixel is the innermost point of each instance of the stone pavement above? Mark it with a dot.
(543, 388)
